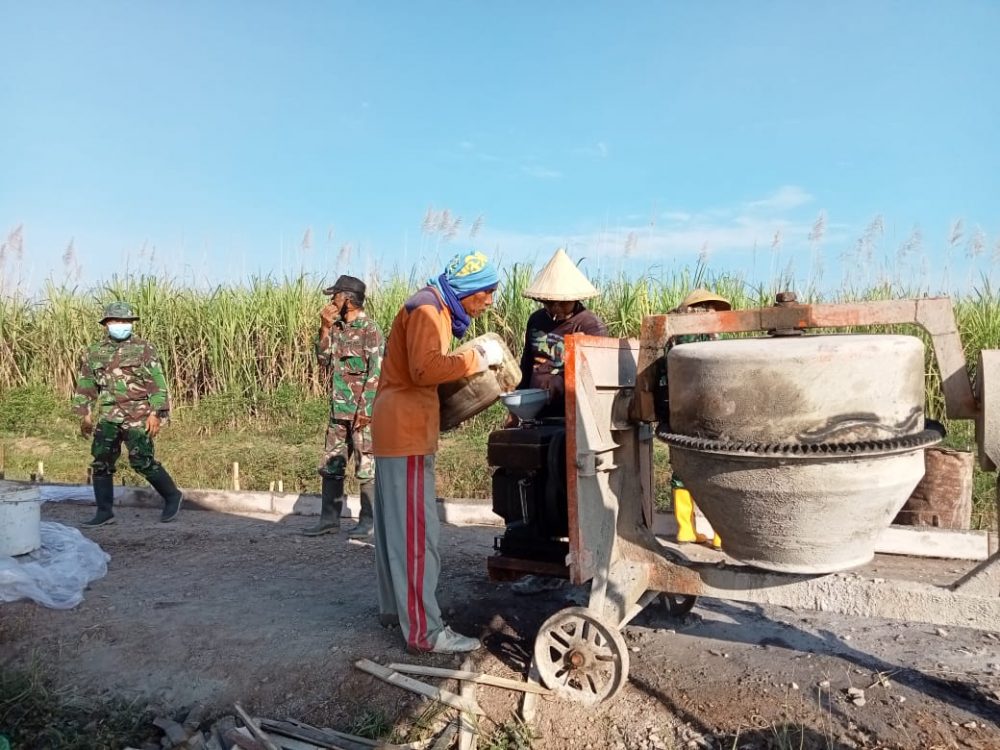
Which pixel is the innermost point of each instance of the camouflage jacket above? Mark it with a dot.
(121, 382)
(352, 358)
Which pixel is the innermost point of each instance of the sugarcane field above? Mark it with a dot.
(457, 376)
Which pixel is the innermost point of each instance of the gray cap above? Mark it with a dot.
(348, 284)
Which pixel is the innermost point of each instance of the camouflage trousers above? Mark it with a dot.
(107, 448)
(343, 442)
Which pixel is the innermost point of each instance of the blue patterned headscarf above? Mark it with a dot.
(463, 276)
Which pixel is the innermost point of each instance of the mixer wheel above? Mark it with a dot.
(678, 605)
(580, 657)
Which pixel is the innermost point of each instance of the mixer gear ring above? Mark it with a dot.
(580, 657)
(932, 435)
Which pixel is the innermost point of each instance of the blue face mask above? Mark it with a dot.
(119, 331)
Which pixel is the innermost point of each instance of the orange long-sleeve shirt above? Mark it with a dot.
(406, 417)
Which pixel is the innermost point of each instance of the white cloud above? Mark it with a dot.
(540, 173)
(784, 198)
(598, 150)
(467, 145)
(680, 233)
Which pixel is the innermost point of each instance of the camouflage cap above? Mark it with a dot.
(118, 311)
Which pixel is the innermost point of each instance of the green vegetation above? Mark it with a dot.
(511, 735)
(245, 385)
(33, 714)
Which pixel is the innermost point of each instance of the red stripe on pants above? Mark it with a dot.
(415, 544)
(421, 550)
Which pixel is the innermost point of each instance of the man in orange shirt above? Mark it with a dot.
(405, 428)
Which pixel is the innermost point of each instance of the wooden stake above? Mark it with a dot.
(281, 486)
(41, 472)
(2, 461)
(236, 475)
(529, 701)
(271, 487)
(421, 688)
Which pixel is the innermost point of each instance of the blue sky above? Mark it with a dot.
(208, 139)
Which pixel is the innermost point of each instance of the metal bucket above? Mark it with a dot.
(465, 398)
(20, 521)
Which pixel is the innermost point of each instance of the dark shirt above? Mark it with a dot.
(542, 361)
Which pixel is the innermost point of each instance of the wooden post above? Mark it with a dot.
(270, 487)
(41, 472)
(281, 486)
(1, 461)
(236, 476)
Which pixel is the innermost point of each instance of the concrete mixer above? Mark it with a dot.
(799, 449)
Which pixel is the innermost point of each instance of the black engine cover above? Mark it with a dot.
(529, 489)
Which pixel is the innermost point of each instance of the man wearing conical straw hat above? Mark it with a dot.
(699, 300)
(561, 288)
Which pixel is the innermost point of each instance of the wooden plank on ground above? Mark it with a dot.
(255, 730)
(327, 738)
(468, 729)
(241, 737)
(415, 686)
(468, 676)
(446, 738)
(315, 737)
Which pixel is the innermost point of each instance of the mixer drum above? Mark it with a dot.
(799, 450)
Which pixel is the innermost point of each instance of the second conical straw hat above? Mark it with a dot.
(560, 281)
(700, 296)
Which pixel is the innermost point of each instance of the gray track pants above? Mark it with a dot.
(407, 562)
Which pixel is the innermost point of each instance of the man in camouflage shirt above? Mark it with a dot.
(121, 395)
(349, 347)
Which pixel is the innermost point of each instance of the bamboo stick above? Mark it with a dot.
(421, 688)
(477, 677)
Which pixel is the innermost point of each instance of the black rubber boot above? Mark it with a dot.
(172, 497)
(104, 496)
(333, 504)
(366, 518)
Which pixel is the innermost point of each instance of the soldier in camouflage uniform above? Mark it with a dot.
(121, 395)
(349, 348)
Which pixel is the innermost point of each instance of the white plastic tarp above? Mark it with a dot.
(55, 574)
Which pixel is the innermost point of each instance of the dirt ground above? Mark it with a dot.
(220, 608)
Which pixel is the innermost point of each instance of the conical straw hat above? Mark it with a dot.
(560, 281)
(700, 296)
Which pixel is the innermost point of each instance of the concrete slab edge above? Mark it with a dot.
(896, 540)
